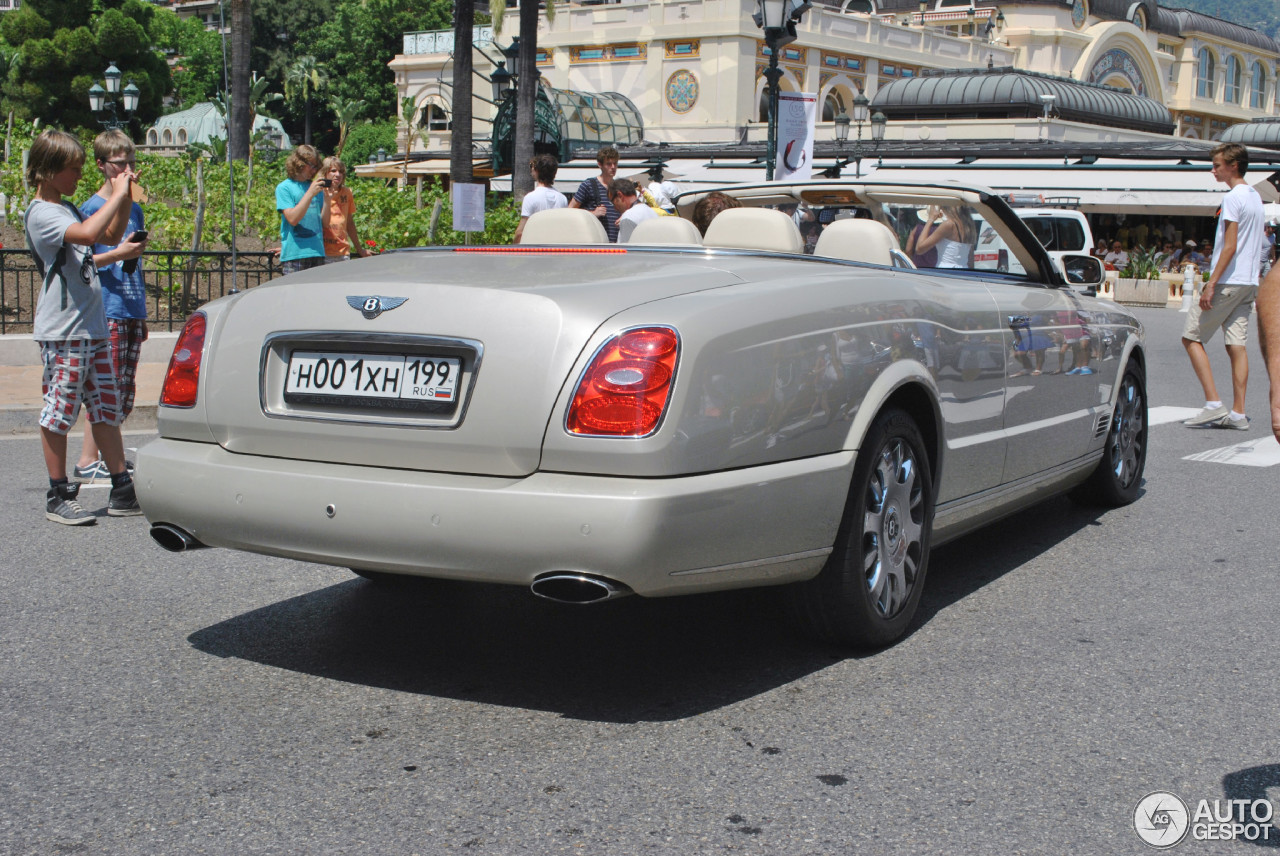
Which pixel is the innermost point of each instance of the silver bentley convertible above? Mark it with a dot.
(788, 400)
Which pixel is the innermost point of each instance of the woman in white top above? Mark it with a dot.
(954, 238)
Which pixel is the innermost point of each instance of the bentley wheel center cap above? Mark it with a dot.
(893, 534)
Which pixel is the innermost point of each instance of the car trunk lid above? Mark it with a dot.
(505, 328)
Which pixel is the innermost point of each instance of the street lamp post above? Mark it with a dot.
(861, 107)
(106, 99)
(778, 19)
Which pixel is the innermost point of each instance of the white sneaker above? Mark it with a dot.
(1209, 417)
(1241, 424)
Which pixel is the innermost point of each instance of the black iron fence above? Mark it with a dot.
(178, 283)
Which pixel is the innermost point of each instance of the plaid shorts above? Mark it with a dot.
(127, 336)
(301, 264)
(78, 371)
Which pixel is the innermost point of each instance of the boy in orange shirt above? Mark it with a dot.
(340, 236)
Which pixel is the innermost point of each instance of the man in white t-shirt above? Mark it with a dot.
(622, 195)
(543, 197)
(1117, 256)
(1228, 295)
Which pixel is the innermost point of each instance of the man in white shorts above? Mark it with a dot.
(543, 197)
(1228, 295)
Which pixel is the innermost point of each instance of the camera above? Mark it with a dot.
(326, 182)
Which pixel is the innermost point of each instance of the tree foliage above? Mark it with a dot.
(198, 73)
(63, 46)
(360, 38)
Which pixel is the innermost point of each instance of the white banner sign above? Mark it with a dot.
(797, 117)
(468, 207)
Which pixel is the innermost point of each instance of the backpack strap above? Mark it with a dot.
(59, 261)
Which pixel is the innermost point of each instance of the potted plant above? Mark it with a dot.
(1139, 283)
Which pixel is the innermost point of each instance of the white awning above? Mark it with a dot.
(1114, 188)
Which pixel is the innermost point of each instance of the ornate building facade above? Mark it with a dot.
(694, 68)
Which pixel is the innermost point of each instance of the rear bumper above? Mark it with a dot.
(754, 526)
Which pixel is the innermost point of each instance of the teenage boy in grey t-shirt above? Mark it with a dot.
(71, 326)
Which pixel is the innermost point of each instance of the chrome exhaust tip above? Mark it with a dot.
(564, 587)
(173, 539)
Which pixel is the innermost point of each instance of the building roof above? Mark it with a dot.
(1162, 19)
(203, 121)
(1010, 93)
(1263, 133)
(1186, 22)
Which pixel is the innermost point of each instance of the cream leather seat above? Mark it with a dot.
(858, 241)
(754, 229)
(666, 230)
(564, 226)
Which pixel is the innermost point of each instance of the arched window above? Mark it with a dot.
(864, 7)
(1232, 93)
(182, 136)
(1258, 87)
(1204, 74)
(434, 118)
(152, 137)
(832, 105)
(168, 137)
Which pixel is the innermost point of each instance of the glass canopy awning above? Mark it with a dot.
(569, 124)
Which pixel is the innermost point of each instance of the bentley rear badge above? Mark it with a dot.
(373, 305)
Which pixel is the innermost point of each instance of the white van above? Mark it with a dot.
(1061, 229)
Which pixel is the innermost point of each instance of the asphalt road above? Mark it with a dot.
(1065, 663)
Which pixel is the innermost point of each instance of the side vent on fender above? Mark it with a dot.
(1103, 426)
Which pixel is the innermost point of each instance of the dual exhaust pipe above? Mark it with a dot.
(562, 586)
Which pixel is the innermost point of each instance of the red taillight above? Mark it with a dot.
(182, 381)
(625, 389)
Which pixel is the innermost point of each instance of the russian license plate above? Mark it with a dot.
(394, 380)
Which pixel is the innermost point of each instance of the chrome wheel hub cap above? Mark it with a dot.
(893, 528)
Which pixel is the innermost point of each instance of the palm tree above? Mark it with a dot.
(347, 112)
(304, 78)
(408, 109)
(464, 17)
(241, 127)
(526, 98)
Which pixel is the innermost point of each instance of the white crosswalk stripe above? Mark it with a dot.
(1260, 452)
(1166, 414)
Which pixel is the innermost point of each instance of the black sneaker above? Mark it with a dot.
(97, 472)
(124, 502)
(62, 506)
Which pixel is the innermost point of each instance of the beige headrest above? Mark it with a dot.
(564, 226)
(754, 229)
(858, 241)
(666, 230)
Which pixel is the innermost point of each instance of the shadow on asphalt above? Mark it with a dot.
(623, 661)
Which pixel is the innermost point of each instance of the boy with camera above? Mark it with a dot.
(124, 295)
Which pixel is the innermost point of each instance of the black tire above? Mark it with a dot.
(1118, 478)
(867, 594)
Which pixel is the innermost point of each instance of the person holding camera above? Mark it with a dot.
(341, 239)
(303, 214)
(70, 325)
(124, 294)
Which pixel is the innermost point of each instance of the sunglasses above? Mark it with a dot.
(123, 162)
